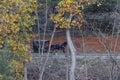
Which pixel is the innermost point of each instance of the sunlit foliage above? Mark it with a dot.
(16, 16)
(70, 13)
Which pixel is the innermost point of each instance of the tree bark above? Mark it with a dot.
(25, 72)
(72, 50)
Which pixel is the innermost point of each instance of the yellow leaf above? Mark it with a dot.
(68, 1)
(99, 4)
(1, 77)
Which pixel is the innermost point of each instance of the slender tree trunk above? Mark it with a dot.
(72, 50)
(45, 63)
(25, 72)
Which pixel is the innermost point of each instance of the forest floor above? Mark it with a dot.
(59, 69)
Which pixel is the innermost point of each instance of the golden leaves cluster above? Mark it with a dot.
(69, 14)
(15, 18)
(17, 68)
(1, 77)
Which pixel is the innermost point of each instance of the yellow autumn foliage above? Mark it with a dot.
(0, 77)
(18, 68)
(67, 10)
(70, 13)
(15, 20)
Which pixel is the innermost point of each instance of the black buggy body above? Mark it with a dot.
(40, 45)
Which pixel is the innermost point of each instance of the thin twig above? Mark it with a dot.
(45, 63)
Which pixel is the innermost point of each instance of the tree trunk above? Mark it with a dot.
(25, 72)
(72, 50)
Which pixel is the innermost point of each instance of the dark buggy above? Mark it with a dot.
(39, 47)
